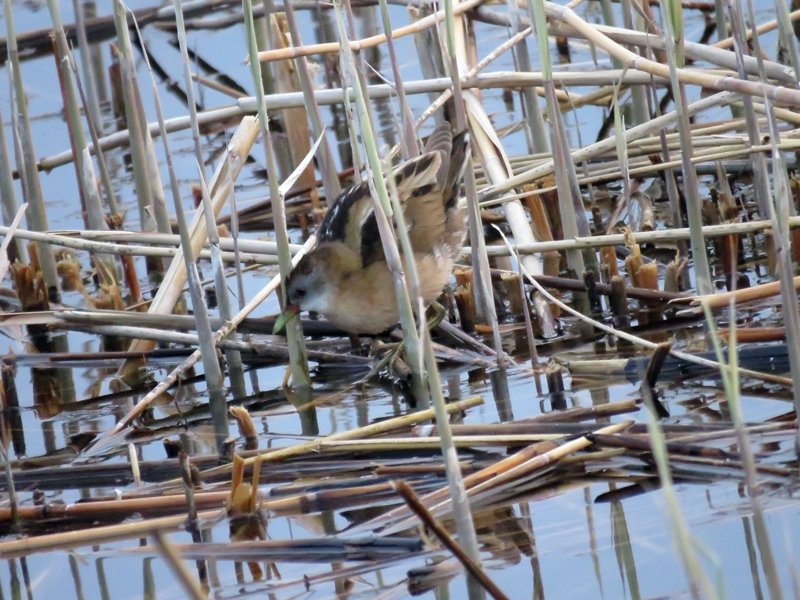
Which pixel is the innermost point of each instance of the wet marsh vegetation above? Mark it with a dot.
(605, 403)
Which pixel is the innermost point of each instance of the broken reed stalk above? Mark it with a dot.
(570, 202)
(414, 503)
(99, 445)
(382, 208)
(233, 358)
(92, 104)
(327, 166)
(298, 358)
(505, 472)
(26, 159)
(730, 380)
(235, 370)
(98, 535)
(370, 42)
(780, 209)
(642, 342)
(130, 250)
(93, 214)
(8, 195)
(171, 286)
(336, 96)
(136, 136)
(189, 85)
(643, 237)
(213, 373)
(608, 144)
(408, 138)
(262, 252)
(273, 455)
(685, 76)
(172, 555)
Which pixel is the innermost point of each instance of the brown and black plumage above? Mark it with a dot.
(346, 278)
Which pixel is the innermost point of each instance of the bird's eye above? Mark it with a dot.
(301, 293)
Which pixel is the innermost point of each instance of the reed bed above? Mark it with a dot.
(631, 201)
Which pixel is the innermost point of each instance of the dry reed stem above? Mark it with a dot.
(172, 285)
(172, 555)
(525, 461)
(414, 503)
(176, 374)
(647, 344)
(97, 535)
(366, 431)
(685, 76)
(370, 42)
(751, 294)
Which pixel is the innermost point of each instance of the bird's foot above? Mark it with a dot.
(436, 314)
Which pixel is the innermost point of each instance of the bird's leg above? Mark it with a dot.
(438, 311)
(355, 343)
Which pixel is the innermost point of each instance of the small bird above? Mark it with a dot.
(346, 277)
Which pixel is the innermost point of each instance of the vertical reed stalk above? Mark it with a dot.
(481, 133)
(239, 277)
(495, 164)
(760, 175)
(699, 584)
(327, 167)
(189, 83)
(211, 368)
(673, 19)
(383, 210)
(234, 359)
(135, 108)
(779, 215)
(529, 94)
(141, 174)
(638, 93)
(721, 19)
(786, 38)
(298, 359)
(464, 525)
(105, 177)
(26, 160)
(730, 381)
(93, 104)
(408, 139)
(461, 508)
(94, 217)
(8, 196)
(570, 201)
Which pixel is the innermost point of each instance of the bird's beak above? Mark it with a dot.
(289, 313)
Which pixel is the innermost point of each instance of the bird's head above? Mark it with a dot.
(310, 286)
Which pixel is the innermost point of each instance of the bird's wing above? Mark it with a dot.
(352, 221)
(343, 222)
(418, 192)
(457, 162)
(441, 140)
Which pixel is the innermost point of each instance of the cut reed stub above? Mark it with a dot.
(608, 257)
(672, 275)
(513, 289)
(247, 429)
(465, 298)
(619, 297)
